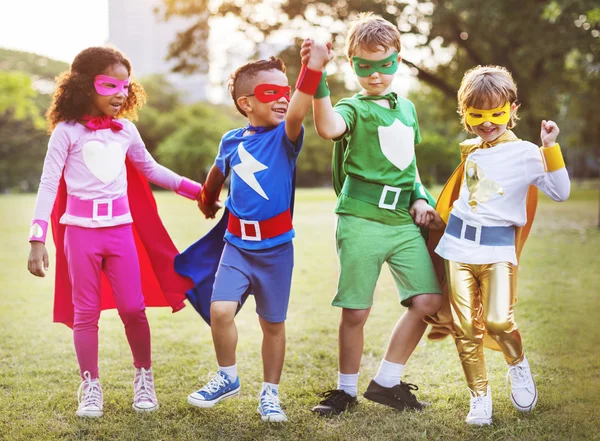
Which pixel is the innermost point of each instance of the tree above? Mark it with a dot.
(533, 39)
(191, 148)
(22, 134)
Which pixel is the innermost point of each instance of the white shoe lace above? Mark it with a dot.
(217, 381)
(89, 393)
(478, 405)
(519, 377)
(270, 401)
(144, 387)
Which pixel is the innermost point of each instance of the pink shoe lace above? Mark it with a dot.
(144, 398)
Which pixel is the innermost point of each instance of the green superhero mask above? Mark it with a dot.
(364, 68)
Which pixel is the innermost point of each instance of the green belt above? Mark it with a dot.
(383, 196)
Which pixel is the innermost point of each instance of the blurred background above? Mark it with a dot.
(182, 51)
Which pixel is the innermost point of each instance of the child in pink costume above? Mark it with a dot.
(89, 146)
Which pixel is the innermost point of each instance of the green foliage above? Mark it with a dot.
(18, 98)
(191, 148)
(552, 48)
(37, 66)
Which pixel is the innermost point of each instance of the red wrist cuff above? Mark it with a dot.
(308, 80)
(208, 197)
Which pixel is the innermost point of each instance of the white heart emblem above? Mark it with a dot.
(104, 161)
(397, 143)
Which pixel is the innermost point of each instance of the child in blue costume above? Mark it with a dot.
(258, 254)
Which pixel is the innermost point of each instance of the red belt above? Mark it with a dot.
(259, 230)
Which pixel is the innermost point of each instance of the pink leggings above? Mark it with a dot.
(90, 251)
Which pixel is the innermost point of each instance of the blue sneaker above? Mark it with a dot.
(269, 407)
(217, 389)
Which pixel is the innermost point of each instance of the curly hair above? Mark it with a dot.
(239, 81)
(75, 87)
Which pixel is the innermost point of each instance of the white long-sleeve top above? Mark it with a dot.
(94, 168)
(494, 193)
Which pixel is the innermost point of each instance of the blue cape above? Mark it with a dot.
(201, 261)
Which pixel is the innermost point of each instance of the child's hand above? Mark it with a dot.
(422, 213)
(316, 55)
(305, 50)
(38, 256)
(210, 211)
(549, 133)
(436, 222)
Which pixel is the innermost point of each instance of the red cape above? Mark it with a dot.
(161, 285)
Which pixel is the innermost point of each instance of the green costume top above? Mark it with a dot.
(378, 148)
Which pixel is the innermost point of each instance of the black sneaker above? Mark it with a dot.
(399, 396)
(336, 401)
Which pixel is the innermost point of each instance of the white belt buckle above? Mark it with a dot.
(477, 228)
(387, 189)
(245, 236)
(97, 204)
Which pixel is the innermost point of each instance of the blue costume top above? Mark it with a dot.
(263, 165)
(262, 169)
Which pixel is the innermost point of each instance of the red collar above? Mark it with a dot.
(102, 122)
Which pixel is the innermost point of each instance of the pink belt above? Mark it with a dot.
(97, 209)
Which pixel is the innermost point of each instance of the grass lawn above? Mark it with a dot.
(558, 314)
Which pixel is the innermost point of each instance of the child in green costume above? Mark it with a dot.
(381, 205)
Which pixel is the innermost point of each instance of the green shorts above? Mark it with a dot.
(363, 245)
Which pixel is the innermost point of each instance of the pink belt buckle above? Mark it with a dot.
(98, 205)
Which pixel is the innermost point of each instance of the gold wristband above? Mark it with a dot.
(553, 158)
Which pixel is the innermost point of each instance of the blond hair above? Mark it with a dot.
(371, 32)
(487, 86)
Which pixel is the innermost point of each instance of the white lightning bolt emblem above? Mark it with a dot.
(247, 167)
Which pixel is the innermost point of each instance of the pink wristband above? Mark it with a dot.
(189, 189)
(38, 231)
(308, 80)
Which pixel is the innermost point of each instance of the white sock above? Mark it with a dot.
(348, 383)
(274, 387)
(231, 371)
(389, 374)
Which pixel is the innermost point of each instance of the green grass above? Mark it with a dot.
(558, 314)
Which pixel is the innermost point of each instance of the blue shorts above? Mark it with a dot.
(265, 273)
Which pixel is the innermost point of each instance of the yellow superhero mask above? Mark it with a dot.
(499, 115)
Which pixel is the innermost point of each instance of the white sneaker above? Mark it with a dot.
(89, 396)
(144, 397)
(481, 409)
(523, 392)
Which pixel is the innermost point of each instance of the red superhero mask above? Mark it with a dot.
(266, 93)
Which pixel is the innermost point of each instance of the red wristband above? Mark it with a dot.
(209, 197)
(308, 80)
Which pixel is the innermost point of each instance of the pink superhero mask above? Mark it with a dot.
(266, 93)
(106, 85)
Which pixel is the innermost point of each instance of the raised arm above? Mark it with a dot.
(328, 123)
(547, 170)
(302, 98)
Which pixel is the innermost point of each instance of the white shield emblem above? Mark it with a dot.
(397, 143)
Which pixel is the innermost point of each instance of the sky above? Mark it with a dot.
(58, 29)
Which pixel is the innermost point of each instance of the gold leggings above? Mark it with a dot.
(482, 298)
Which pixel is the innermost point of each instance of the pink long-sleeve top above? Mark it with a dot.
(94, 169)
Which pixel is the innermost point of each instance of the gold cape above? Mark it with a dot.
(442, 321)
